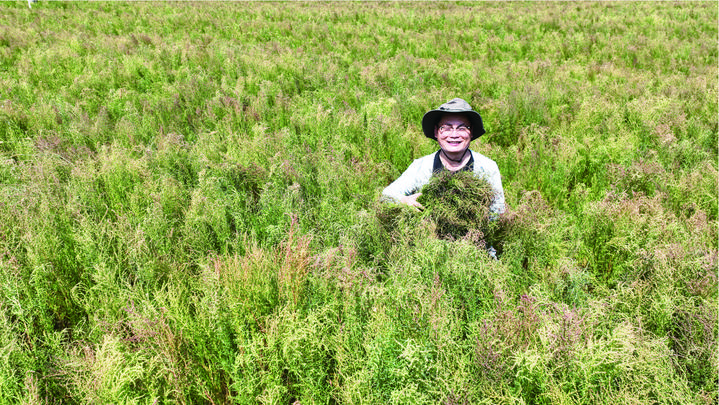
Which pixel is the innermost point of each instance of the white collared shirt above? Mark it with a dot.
(420, 171)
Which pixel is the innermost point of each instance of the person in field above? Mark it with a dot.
(454, 125)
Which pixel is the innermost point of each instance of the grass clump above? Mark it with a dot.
(459, 203)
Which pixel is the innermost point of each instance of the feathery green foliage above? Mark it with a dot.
(459, 203)
(189, 206)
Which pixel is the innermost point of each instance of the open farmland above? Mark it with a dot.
(189, 204)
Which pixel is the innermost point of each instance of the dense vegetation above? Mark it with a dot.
(189, 204)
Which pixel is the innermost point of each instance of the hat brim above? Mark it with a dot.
(431, 118)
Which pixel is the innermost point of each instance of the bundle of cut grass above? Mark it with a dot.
(458, 202)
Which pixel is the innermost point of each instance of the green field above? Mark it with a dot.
(190, 214)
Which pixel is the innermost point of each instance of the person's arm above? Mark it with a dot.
(495, 179)
(406, 188)
(488, 168)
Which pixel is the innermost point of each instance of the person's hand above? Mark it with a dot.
(412, 200)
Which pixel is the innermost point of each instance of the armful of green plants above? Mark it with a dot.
(459, 203)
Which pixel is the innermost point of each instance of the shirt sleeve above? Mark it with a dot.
(410, 182)
(497, 206)
(488, 168)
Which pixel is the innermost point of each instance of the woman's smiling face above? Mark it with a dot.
(453, 132)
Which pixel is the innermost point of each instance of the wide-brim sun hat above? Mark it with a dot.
(454, 106)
